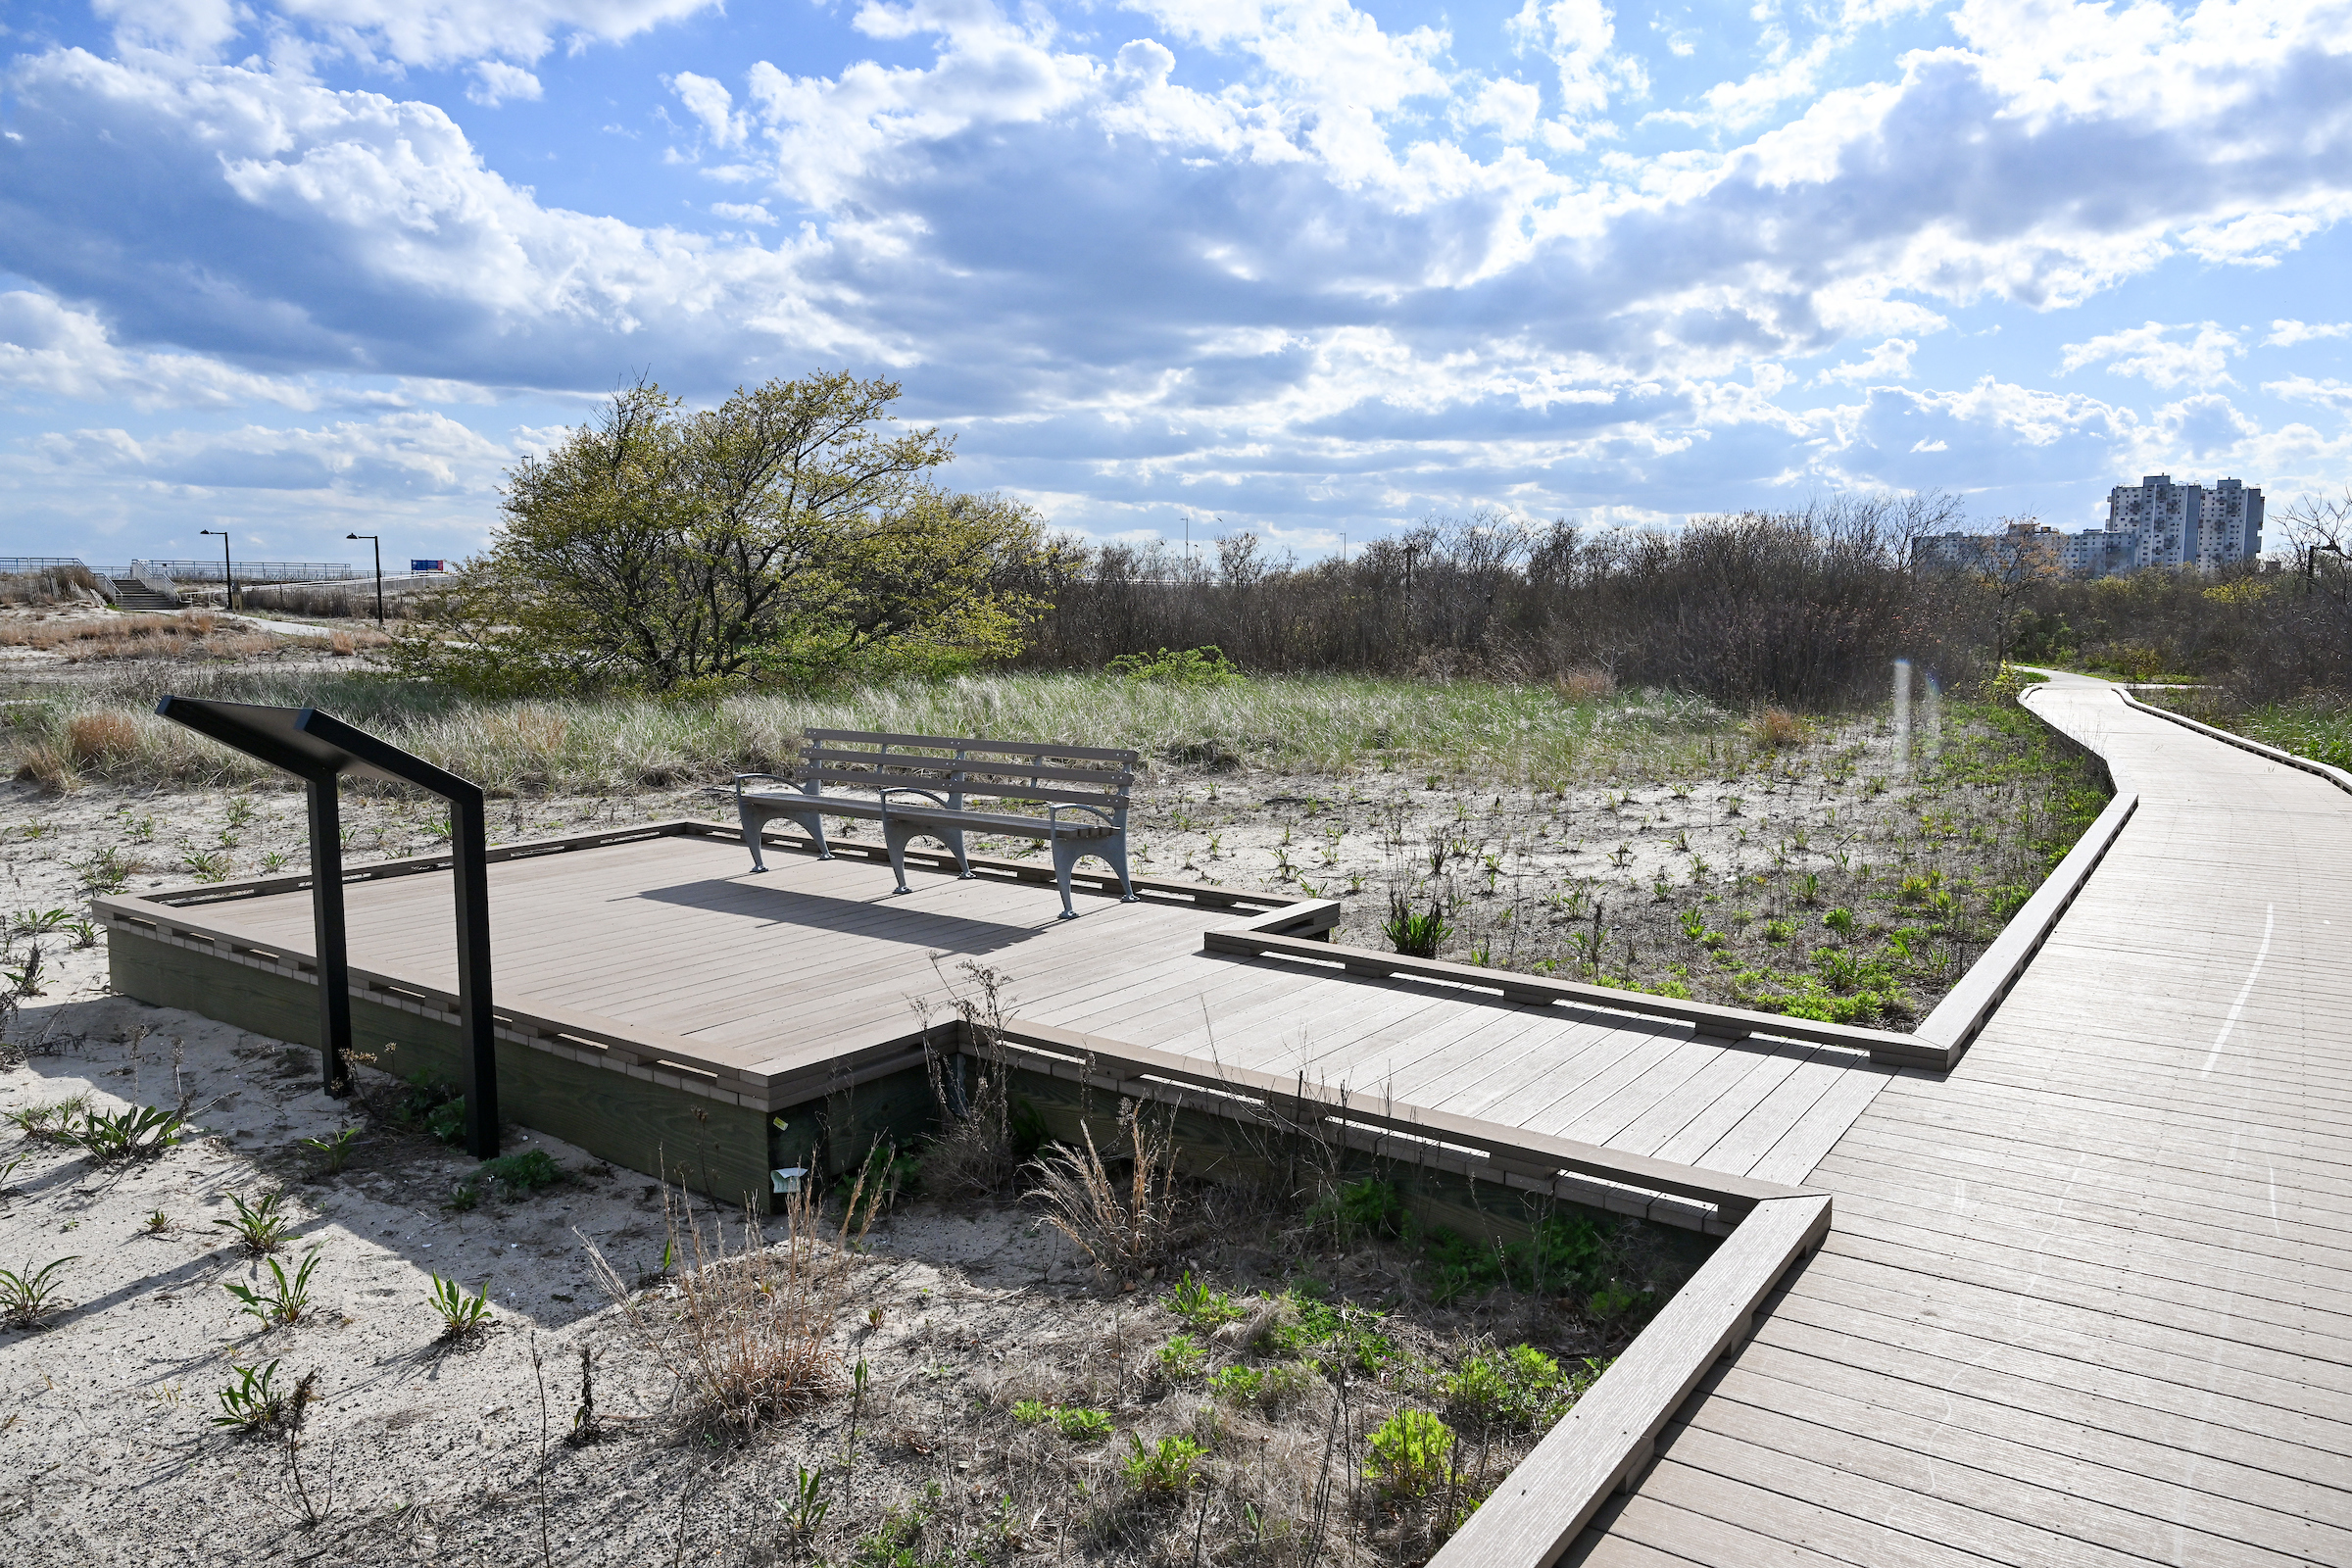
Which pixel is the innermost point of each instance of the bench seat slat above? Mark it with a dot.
(969, 766)
(992, 792)
(969, 742)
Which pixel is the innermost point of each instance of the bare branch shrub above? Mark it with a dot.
(974, 1153)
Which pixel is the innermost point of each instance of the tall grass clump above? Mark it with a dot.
(745, 1326)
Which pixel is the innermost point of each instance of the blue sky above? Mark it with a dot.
(294, 268)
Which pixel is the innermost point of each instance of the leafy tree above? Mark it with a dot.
(788, 535)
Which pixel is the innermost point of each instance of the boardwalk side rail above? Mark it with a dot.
(1607, 1438)
(2333, 775)
(1561, 1167)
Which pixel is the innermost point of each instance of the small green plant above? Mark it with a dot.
(460, 1314)
(283, 1301)
(206, 865)
(1166, 1469)
(141, 1133)
(1808, 887)
(1369, 1207)
(1415, 935)
(259, 1226)
(466, 1197)
(1082, 1425)
(28, 1296)
(1206, 665)
(1032, 1412)
(1198, 1305)
(1264, 1387)
(251, 1403)
(85, 935)
(1181, 1359)
(433, 1106)
(1779, 930)
(519, 1175)
(1840, 922)
(158, 1222)
(109, 871)
(336, 1148)
(1412, 1453)
(52, 1123)
(809, 1507)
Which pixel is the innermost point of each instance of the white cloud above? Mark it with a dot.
(1889, 361)
(709, 102)
(2287, 335)
(2147, 351)
(2328, 392)
(429, 33)
(395, 457)
(496, 82)
(1268, 254)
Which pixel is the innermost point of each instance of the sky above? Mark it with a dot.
(293, 268)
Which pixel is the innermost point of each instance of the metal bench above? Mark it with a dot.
(919, 784)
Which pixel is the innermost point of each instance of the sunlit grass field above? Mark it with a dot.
(1505, 734)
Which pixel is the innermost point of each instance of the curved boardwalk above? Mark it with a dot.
(2087, 1299)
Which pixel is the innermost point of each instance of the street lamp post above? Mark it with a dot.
(379, 542)
(228, 576)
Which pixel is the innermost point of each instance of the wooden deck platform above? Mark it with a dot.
(769, 982)
(2087, 1299)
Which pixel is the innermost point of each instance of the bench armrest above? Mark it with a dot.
(933, 795)
(781, 778)
(1054, 812)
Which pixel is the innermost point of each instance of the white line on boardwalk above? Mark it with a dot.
(2270, 913)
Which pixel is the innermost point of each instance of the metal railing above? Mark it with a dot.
(248, 571)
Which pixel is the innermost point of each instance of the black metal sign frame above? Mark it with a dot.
(320, 749)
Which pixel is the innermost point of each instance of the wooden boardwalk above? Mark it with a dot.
(2087, 1299)
(766, 973)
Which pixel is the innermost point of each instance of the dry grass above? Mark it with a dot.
(1122, 1227)
(745, 1328)
(1775, 729)
(56, 586)
(1584, 685)
(195, 634)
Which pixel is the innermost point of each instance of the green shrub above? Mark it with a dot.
(1167, 1468)
(1410, 1453)
(1206, 665)
(1199, 1305)
(1519, 1387)
(1264, 1387)
(519, 1175)
(1181, 1359)
(1415, 936)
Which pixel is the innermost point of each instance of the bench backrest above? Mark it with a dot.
(954, 767)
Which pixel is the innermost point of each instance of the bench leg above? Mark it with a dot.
(752, 822)
(954, 839)
(896, 832)
(1114, 849)
(1065, 858)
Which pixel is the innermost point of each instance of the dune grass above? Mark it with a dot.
(1511, 734)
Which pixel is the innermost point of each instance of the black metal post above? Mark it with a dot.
(377, 541)
(228, 572)
(468, 842)
(327, 925)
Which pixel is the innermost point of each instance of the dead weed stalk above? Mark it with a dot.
(743, 1327)
(1122, 1227)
